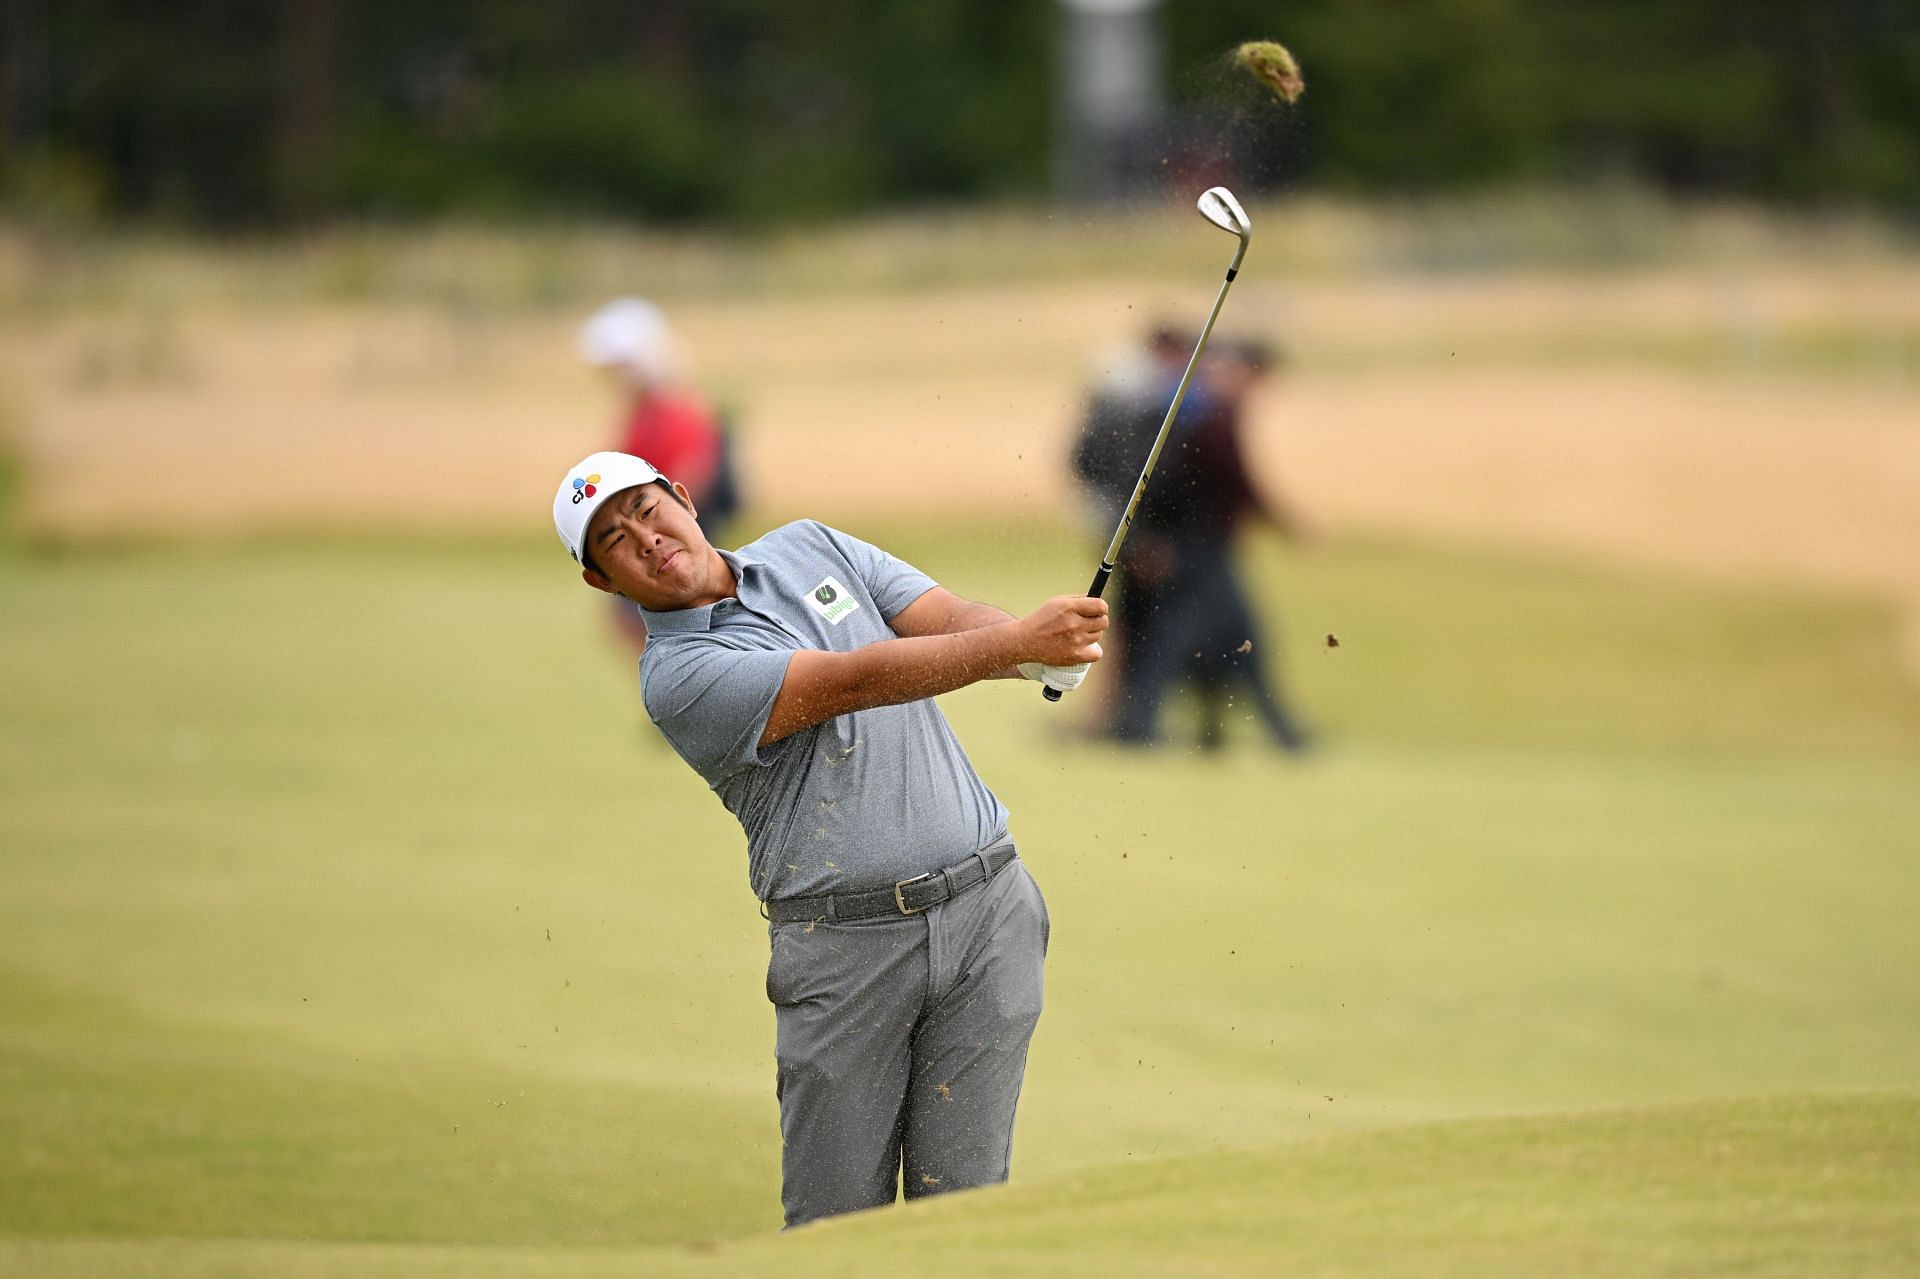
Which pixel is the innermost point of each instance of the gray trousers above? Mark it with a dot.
(902, 1044)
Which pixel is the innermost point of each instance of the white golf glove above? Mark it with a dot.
(1062, 678)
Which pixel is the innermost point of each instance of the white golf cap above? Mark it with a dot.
(630, 333)
(595, 479)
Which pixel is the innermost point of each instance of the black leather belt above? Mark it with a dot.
(908, 897)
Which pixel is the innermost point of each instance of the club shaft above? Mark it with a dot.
(1125, 526)
(1112, 557)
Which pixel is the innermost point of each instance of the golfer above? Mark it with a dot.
(796, 676)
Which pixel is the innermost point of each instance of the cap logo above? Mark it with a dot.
(583, 488)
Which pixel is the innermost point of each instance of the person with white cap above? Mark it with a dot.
(663, 418)
(666, 420)
(796, 676)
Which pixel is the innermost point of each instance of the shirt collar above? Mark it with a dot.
(701, 618)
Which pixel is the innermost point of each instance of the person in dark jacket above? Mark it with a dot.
(1188, 613)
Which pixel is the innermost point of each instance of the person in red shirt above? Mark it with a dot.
(666, 421)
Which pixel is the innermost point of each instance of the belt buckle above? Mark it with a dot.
(901, 901)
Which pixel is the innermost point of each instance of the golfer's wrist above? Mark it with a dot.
(1011, 647)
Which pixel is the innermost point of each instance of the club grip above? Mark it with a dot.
(1098, 589)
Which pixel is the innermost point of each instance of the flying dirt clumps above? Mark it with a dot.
(1273, 66)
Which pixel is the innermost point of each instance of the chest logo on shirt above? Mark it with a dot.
(833, 601)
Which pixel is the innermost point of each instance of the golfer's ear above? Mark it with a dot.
(597, 581)
(686, 498)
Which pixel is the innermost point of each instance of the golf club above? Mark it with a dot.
(1217, 206)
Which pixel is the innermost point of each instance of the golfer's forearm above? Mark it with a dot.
(941, 612)
(971, 617)
(821, 685)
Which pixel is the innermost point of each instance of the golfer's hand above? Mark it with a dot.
(1061, 679)
(1065, 631)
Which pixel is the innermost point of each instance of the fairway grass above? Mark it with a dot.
(1763, 1188)
(352, 920)
(1797, 1186)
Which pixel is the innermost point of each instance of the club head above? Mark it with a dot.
(1218, 206)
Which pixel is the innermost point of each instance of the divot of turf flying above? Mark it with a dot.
(1273, 66)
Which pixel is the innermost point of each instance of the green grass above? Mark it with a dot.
(1767, 1187)
(352, 921)
(1770, 1187)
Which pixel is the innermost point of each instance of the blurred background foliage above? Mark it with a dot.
(227, 113)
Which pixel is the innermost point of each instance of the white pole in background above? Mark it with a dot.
(1110, 99)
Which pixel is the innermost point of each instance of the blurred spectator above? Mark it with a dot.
(1184, 609)
(666, 422)
(1227, 651)
(1123, 415)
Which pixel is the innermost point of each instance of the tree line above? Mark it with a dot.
(239, 113)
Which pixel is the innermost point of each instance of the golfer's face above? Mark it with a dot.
(649, 546)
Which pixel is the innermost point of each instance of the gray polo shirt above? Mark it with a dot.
(861, 801)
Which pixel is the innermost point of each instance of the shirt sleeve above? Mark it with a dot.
(893, 583)
(712, 702)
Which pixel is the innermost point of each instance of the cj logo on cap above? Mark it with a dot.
(583, 489)
(831, 601)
